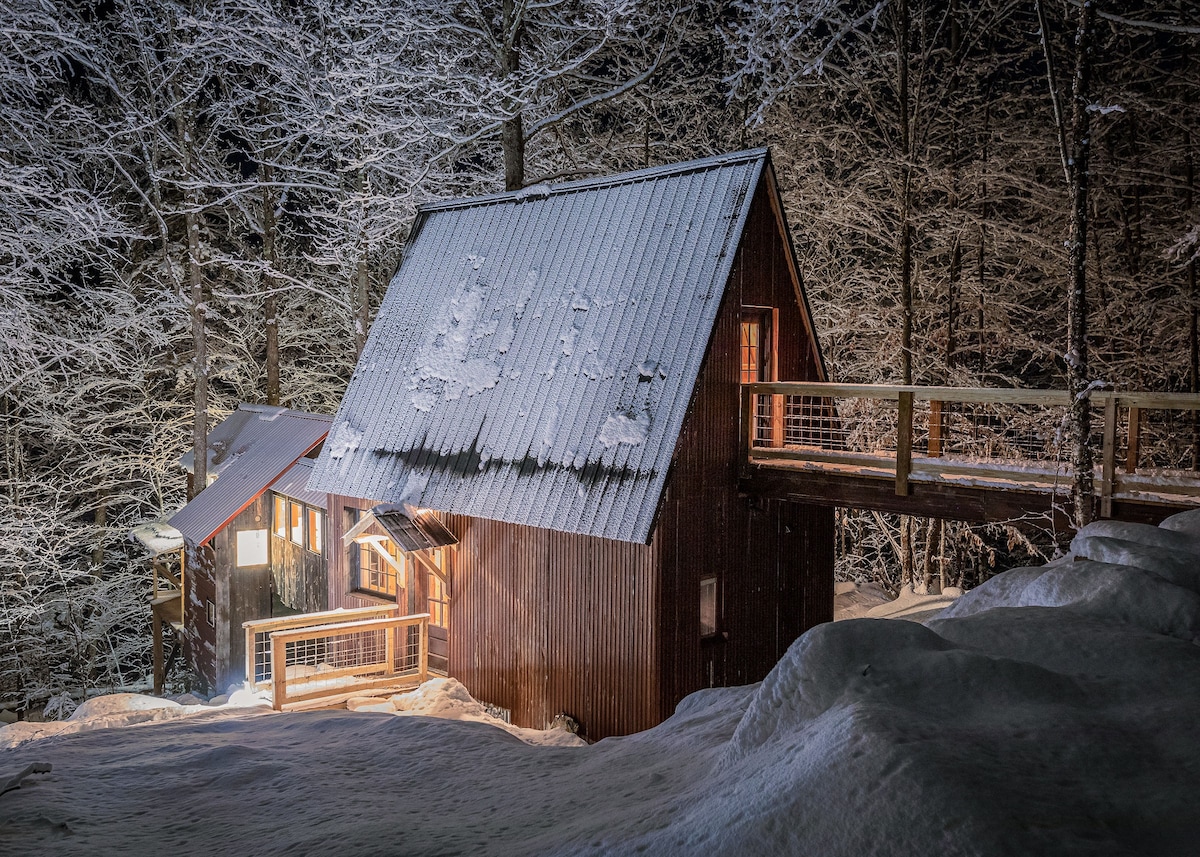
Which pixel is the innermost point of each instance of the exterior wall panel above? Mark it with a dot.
(543, 623)
(773, 559)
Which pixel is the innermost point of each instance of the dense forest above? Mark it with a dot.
(201, 203)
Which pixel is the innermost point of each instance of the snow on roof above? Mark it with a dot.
(535, 354)
(1053, 711)
(248, 451)
(157, 537)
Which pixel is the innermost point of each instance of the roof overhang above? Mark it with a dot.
(411, 529)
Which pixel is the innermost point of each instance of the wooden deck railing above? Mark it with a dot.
(315, 657)
(1147, 444)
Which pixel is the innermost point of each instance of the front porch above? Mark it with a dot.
(318, 660)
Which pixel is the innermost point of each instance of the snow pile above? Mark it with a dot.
(870, 600)
(108, 712)
(447, 699)
(1049, 711)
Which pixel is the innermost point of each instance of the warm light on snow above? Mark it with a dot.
(1051, 710)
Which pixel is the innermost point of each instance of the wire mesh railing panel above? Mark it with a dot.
(1163, 439)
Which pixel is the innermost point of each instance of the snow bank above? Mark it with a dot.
(447, 699)
(1050, 711)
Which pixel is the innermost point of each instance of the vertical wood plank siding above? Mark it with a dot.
(774, 560)
(199, 638)
(243, 594)
(238, 595)
(299, 574)
(544, 623)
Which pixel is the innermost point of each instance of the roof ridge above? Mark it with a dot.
(542, 190)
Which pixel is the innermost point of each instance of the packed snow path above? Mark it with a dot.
(1050, 711)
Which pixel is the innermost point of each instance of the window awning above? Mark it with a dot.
(411, 529)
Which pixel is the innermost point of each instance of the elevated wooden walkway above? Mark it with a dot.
(966, 453)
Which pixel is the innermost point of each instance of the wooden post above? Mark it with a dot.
(423, 651)
(1135, 430)
(278, 673)
(1108, 459)
(936, 425)
(777, 421)
(389, 644)
(904, 442)
(250, 676)
(747, 423)
(159, 670)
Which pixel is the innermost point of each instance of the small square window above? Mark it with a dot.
(708, 606)
(251, 548)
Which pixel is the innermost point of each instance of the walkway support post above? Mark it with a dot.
(904, 422)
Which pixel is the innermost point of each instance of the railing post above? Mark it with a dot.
(157, 642)
(278, 673)
(747, 423)
(777, 421)
(936, 424)
(904, 422)
(1108, 459)
(1135, 430)
(250, 671)
(389, 642)
(423, 651)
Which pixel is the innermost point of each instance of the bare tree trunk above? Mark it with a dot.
(905, 195)
(984, 213)
(199, 348)
(512, 130)
(955, 272)
(1077, 303)
(1189, 192)
(362, 304)
(270, 301)
(195, 280)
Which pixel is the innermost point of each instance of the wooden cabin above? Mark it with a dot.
(540, 447)
(255, 539)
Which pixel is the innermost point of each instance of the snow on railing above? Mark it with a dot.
(1148, 444)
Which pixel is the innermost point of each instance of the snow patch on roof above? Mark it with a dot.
(630, 429)
(343, 440)
(444, 368)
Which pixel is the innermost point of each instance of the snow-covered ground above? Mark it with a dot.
(1051, 711)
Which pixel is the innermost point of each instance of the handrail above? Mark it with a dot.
(263, 627)
(816, 429)
(980, 395)
(342, 643)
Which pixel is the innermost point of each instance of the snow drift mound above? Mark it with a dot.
(1049, 711)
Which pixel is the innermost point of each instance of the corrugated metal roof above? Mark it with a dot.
(294, 483)
(249, 449)
(535, 354)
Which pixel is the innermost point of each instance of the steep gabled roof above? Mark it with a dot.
(247, 451)
(536, 352)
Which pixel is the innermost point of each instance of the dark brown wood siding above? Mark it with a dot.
(298, 574)
(543, 623)
(773, 560)
(199, 638)
(217, 652)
